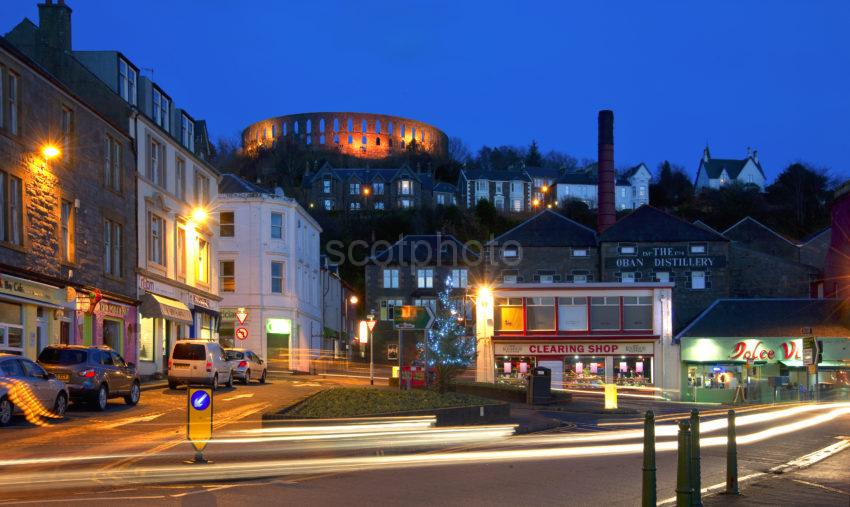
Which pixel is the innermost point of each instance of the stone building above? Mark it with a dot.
(508, 191)
(67, 215)
(355, 190)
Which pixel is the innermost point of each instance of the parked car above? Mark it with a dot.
(50, 392)
(198, 362)
(246, 365)
(93, 373)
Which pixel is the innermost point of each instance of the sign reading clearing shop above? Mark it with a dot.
(556, 349)
(666, 257)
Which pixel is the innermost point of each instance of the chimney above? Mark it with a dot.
(755, 156)
(605, 182)
(54, 25)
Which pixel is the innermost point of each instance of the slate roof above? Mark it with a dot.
(749, 221)
(233, 184)
(733, 167)
(647, 225)
(442, 186)
(767, 318)
(549, 229)
(590, 175)
(544, 172)
(426, 249)
(814, 235)
(483, 174)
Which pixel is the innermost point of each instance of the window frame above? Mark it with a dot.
(279, 278)
(226, 224)
(276, 228)
(156, 242)
(392, 276)
(227, 282)
(425, 278)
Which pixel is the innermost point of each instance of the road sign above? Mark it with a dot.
(241, 315)
(810, 350)
(241, 333)
(363, 329)
(200, 416)
(371, 324)
(413, 318)
(392, 352)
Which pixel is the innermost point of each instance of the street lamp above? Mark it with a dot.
(544, 188)
(366, 191)
(353, 299)
(199, 215)
(50, 151)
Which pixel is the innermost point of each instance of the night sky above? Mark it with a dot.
(774, 75)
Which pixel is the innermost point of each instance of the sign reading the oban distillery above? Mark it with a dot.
(599, 349)
(665, 257)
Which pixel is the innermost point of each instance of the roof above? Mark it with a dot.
(700, 223)
(590, 175)
(813, 236)
(544, 172)
(442, 186)
(715, 166)
(647, 224)
(548, 228)
(749, 221)
(765, 318)
(426, 249)
(233, 184)
(484, 174)
(631, 172)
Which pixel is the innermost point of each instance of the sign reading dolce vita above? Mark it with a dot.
(665, 257)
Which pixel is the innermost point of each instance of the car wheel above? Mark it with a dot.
(215, 382)
(6, 411)
(230, 380)
(135, 393)
(263, 377)
(61, 404)
(101, 400)
(247, 379)
(172, 385)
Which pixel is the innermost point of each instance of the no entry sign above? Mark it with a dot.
(241, 333)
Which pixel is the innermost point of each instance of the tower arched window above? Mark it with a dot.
(295, 128)
(364, 126)
(309, 126)
(336, 124)
(377, 126)
(350, 124)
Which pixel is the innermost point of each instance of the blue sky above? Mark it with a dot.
(774, 75)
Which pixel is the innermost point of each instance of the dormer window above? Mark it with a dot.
(404, 187)
(127, 81)
(326, 185)
(378, 188)
(188, 132)
(161, 109)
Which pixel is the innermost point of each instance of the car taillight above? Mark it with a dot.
(170, 364)
(243, 364)
(87, 373)
(209, 366)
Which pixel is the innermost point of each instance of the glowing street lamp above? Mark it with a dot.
(544, 188)
(366, 191)
(199, 215)
(353, 299)
(50, 151)
(535, 202)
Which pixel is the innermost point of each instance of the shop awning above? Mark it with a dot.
(161, 307)
(824, 364)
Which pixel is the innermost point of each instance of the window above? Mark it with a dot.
(390, 128)
(425, 278)
(202, 274)
(572, 314)
(156, 163)
(350, 139)
(637, 312)
(354, 188)
(627, 249)
(227, 276)
(12, 105)
(510, 276)
(180, 252)
(391, 278)
(188, 132)
(510, 252)
(377, 126)
(697, 280)
(156, 239)
(441, 199)
(329, 205)
(226, 224)
(161, 108)
(605, 313)
(66, 224)
(379, 205)
(277, 226)
(202, 189)
(426, 302)
(508, 314)
(580, 278)
(540, 312)
(354, 206)
(180, 177)
(627, 277)
(460, 278)
(480, 185)
(404, 187)
(388, 307)
(126, 81)
(579, 252)
(662, 276)
(698, 248)
(112, 247)
(67, 130)
(11, 330)
(11, 207)
(516, 205)
(378, 188)
(326, 185)
(277, 277)
(112, 167)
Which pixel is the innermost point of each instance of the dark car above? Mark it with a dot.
(93, 374)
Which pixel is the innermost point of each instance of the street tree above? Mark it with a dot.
(449, 348)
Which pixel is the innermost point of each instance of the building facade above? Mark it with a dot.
(716, 172)
(269, 267)
(508, 191)
(631, 187)
(357, 190)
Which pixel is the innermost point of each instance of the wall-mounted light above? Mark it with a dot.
(50, 151)
(199, 215)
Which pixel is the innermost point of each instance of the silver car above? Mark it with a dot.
(26, 388)
(246, 365)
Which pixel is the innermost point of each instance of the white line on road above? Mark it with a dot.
(131, 420)
(248, 395)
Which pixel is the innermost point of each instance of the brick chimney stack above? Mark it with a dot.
(605, 182)
(54, 25)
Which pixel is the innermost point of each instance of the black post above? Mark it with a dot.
(731, 456)
(649, 496)
(684, 490)
(695, 459)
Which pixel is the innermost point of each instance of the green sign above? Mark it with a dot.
(789, 351)
(414, 318)
(810, 350)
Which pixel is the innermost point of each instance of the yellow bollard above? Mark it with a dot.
(610, 396)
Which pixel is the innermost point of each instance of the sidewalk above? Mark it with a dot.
(825, 483)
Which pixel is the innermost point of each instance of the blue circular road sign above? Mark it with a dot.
(200, 400)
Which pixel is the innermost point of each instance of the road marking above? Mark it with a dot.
(89, 499)
(251, 395)
(821, 486)
(131, 420)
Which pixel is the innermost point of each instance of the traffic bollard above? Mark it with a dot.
(648, 499)
(684, 489)
(731, 456)
(696, 481)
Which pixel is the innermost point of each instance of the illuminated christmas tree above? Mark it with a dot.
(449, 349)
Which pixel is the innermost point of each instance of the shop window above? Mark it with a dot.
(512, 370)
(205, 325)
(584, 371)
(226, 225)
(11, 328)
(112, 335)
(509, 314)
(633, 370)
(605, 313)
(572, 314)
(146, 339)
(637, 312)
(540, 313)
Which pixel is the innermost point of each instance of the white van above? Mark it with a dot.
(198, 362)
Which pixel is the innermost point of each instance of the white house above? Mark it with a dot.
(269, 268)
(717, 172)
(632, 187)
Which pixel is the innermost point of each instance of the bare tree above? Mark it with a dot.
(458, 151)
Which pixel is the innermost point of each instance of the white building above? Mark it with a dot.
(269, 267)
(631, 192)
(176, 240)
(719, 172)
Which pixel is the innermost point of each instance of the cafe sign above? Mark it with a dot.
(567, 348)
(15, 286)
(667, 257)
(759, 350)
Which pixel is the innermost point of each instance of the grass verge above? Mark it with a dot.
(356, 402)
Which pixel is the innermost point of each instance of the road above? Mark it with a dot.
(136, 458)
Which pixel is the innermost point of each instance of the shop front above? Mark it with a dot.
(730, 370)
(32, 316)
